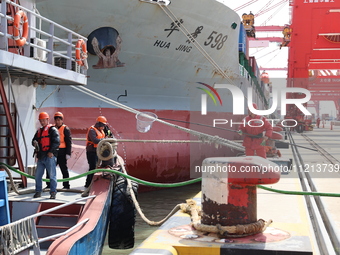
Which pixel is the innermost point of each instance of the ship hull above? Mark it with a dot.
(156, 161)
(157, 69)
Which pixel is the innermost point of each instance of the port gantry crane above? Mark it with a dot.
(314, 53)
(313, 38)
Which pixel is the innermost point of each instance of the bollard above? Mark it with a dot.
(229, 194)
(331, 125)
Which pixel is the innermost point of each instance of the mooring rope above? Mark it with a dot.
(108, 146)
(187, 33)
(17, 236)
(202, 136)
(13, 186)
(239, 230)
(147, 141)
(136, 203)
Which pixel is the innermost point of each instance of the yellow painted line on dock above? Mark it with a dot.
(191, 250)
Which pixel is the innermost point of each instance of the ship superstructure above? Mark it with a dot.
(28, 58)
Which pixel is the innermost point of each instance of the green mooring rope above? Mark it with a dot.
(172, 185)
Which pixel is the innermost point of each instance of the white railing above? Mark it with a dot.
(42, 42)
(65, 232)
(22, 234)
(160, 2)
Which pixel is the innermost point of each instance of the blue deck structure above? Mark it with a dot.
(4, 209)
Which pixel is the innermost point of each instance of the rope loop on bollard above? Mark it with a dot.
(240, 230)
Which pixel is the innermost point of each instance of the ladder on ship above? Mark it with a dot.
(56, 222)
(9, 146)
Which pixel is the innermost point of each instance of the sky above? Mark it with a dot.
(272, 56)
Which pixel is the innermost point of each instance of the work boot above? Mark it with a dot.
(53, 194)
(85, 193)
(37, 194)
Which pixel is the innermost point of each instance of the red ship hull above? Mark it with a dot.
(150, 161)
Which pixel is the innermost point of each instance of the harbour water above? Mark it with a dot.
(156, 205)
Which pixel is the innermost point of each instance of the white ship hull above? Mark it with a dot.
(158, 70)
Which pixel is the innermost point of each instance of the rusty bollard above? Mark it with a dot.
(229, 188)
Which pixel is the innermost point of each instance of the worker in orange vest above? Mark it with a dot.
(94, 135)
(257, 130)
(65, 148)
(46, 141)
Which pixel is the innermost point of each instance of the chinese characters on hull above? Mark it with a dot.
(215, 40)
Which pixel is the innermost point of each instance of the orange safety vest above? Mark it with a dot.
(100, 135)
(44, 138)
(62, 136)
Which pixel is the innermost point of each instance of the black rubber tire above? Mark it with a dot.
(122, 216)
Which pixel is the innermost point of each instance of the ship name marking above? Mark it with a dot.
(216, 40)
(194, 35)
(162, 44)
(174, 26)
(184, 48)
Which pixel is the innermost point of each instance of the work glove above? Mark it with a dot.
(108, 132)
(240, 132)
(263, 143)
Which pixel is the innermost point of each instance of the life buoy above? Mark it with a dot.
(81, 52)
(20, 40)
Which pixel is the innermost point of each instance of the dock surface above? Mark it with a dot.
(295, 228)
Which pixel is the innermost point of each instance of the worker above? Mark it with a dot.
(257, 129)
(94, 135)
(318, 122)
(65, 148)
(47, 140)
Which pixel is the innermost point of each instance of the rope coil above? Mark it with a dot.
(239, 230)
(107, 149)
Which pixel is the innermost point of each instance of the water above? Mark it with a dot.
(155, 205)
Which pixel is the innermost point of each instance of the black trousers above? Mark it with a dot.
(92, 160)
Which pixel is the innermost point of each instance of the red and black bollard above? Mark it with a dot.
(229, 194)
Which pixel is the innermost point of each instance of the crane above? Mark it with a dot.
(314, 51)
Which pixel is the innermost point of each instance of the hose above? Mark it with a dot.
(172, 185)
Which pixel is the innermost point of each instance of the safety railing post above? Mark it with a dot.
(3, 28)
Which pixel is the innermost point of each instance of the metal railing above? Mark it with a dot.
(42, 42)
(16, 242)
